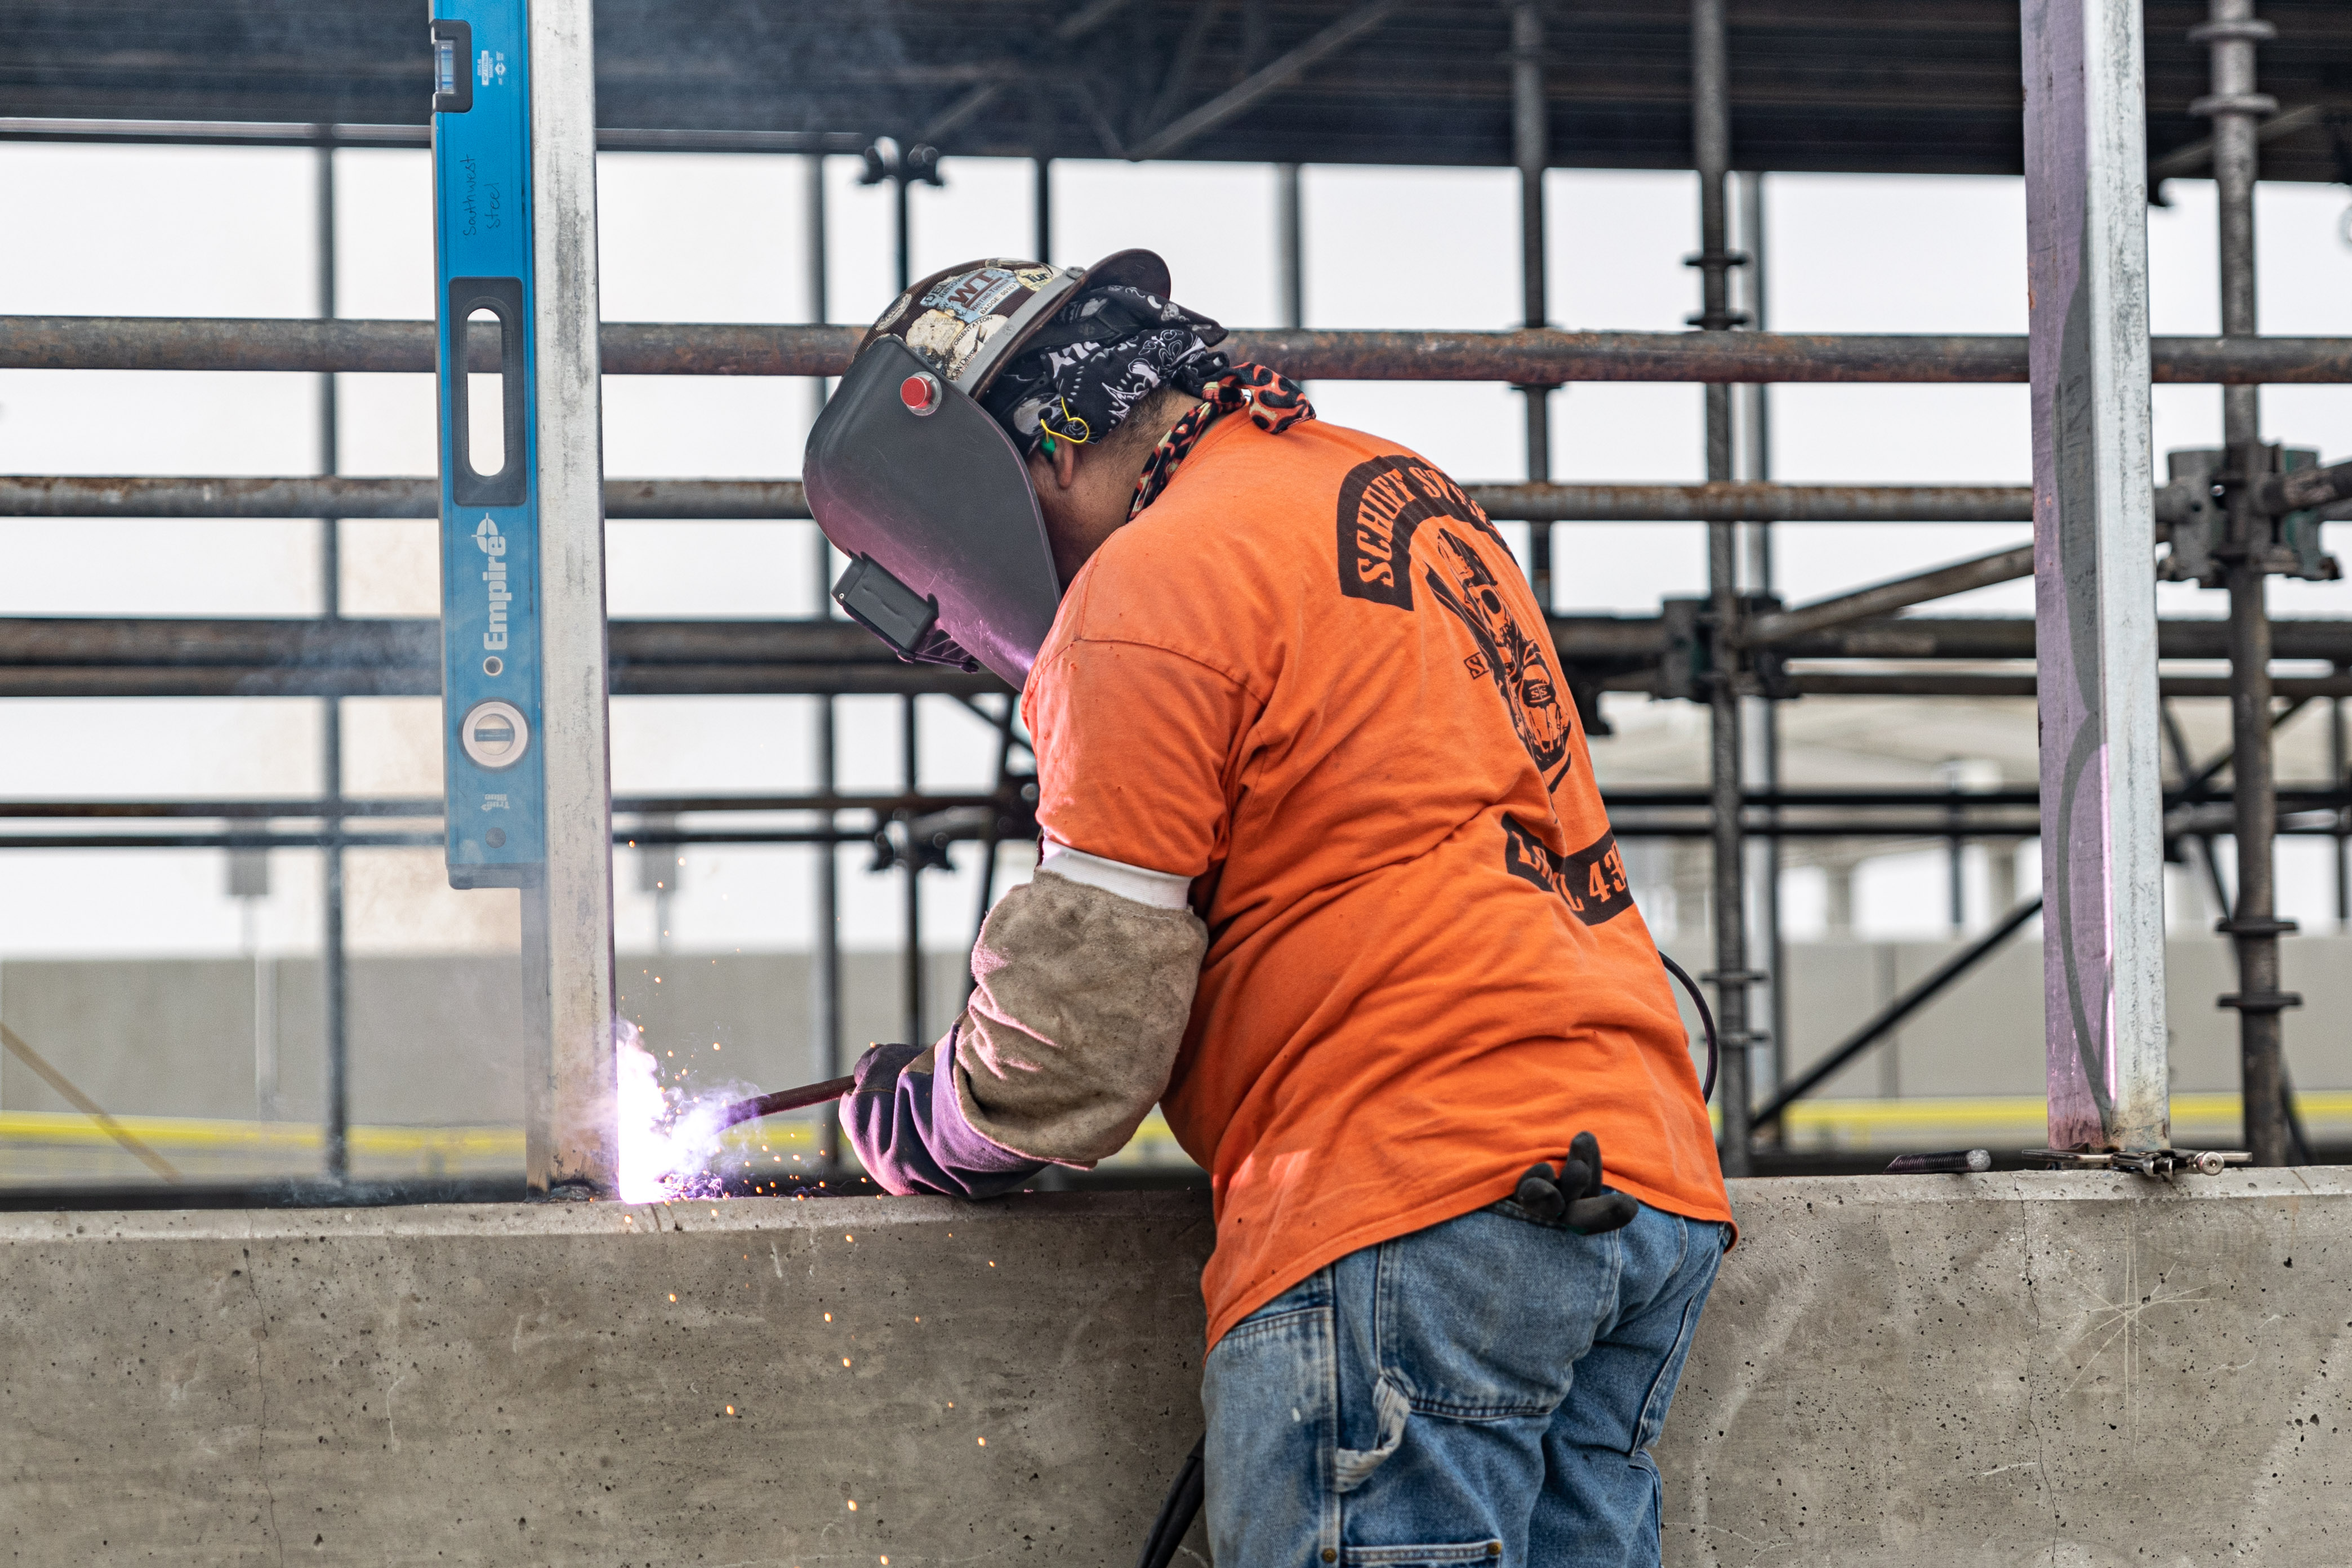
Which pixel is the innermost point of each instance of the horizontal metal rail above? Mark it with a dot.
(89, 656)
(1884, 598)
(1542, 357)
(732, 500)
(428, 807)
(265, 133)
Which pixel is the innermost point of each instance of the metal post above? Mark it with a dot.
(913, 866)
(2095, 580)
(2336, 780)
(1531, 150)
(902, 230)
(2253, 923)
(827, 981)
(569, 1083)
(1755, 432)
(1290, 245)
(333, 970)
(1711, 137)
(1043, 205)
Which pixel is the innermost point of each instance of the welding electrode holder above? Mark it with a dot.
(2166, 1163)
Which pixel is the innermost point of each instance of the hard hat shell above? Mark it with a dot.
(968, 321)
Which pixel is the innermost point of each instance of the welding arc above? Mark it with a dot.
(787, 1100)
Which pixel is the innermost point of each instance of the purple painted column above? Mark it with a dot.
(2095, 579)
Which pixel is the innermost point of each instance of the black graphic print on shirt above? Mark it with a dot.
(1520, 665)
(1381, 502)
(1591, 880)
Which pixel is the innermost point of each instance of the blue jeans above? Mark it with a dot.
(1483, 1391)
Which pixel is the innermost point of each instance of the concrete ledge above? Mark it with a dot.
(2074, 1371)
(2067, 1370)
(553, 1384)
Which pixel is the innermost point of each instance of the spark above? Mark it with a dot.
(828, 1317)
(668, 1138)
(853, 1505)
(672, 1295)
(983, 1442)
(844, 1360)
(730, 1410)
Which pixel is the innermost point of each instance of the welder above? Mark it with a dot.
(1325, 874)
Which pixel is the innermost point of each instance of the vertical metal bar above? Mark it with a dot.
(1531, 151)
(825, 986)
(912, 779)
(2095, 579)
(2253, 924)
(1956, 888)
(333, 967)
(902, 230)
(572, 1142)
(2336, 780)
(1042, 203)
(1755, 432)
(1290, 244)
(1711, 139)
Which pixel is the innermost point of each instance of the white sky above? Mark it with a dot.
(690, 238)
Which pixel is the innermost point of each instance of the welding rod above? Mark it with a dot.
(1957, 1163)
(787, 1100)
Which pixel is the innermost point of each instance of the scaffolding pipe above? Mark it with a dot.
(1711, 139)
(761, 500)
(635, 348)
(2252, 922)
(335, 974)
(1531, 150)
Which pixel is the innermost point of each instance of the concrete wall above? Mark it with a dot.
(433, 1039)
(2077, 1371)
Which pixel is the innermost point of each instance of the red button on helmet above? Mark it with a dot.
(920, 392)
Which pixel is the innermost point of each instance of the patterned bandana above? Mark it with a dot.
(1275, 402)
(1106, 352)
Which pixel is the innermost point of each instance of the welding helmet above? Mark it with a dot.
(921, 488)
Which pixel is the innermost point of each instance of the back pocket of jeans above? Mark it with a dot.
(1488, 1550)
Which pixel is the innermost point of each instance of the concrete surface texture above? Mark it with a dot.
(2065, 1370)
(2075, 1370)
(835, 1382)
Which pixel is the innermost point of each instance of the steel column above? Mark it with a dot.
(2101, 778)
(1531, 150)
(912, 975)
(1711, 137)
(569, 1079)
(1042, 207)
(334, 972)
(2252, 924)
(1290, 245)
(1755, 429)
(825, 1013)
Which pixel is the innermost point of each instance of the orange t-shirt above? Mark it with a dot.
(1311, 678)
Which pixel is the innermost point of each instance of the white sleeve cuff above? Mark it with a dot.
(1161, 890)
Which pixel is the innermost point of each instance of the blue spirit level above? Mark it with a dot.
(490, 632)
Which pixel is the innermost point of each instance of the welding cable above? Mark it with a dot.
(1176, 1513)
(1705, 1018)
